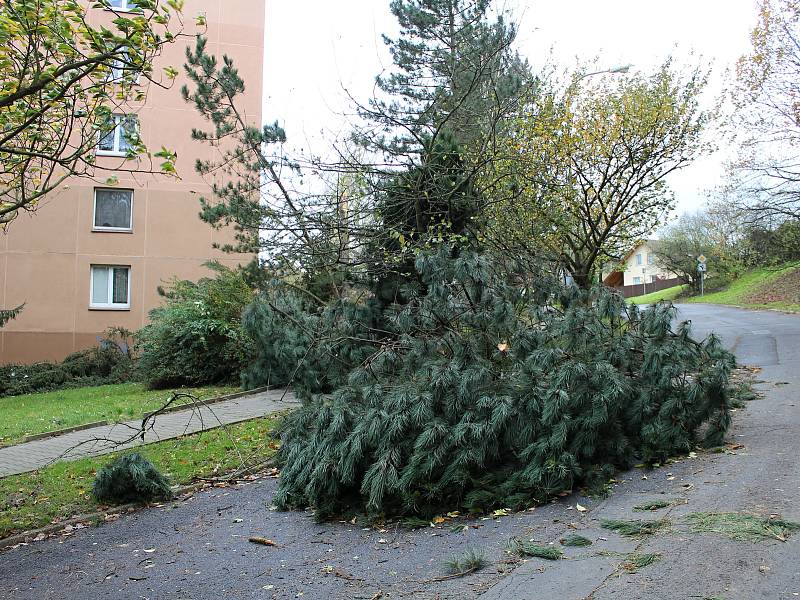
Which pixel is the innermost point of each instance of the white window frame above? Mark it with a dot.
(637, 281)
(651, 259)
(639, 259)
(117, 136)
(117, 72)
(126, 6)
(109, 305)
(94, 211)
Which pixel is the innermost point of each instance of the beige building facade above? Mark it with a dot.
(93, 255)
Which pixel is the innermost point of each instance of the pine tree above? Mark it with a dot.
(454, 69)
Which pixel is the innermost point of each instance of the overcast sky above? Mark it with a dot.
(318, 52)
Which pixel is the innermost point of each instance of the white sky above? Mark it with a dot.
(317, 49)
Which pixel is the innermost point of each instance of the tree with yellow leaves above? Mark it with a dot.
(587, 165)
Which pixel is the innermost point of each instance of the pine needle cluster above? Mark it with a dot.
(489, 390)
(634, 528)
(530, 549)
(469, 562)
(130, 478)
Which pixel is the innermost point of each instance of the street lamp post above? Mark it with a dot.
(617, 69)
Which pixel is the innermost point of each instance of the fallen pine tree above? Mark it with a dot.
(499, 391)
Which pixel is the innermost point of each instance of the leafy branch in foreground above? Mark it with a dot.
(66, 79)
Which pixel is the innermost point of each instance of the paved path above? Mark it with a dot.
(198, 549)
(102, 440)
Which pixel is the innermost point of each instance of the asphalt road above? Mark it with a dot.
(198, 549)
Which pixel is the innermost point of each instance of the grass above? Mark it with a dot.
(749, 284)
(521, 548)
(30, 414)
(743, 527)
(62, 490)
(666, 294)
(469, 562)
(634, 527)
(575, 540)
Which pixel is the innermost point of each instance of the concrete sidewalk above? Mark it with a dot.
(106, 438)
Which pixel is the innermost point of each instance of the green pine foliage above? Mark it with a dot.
(499, 390)
(10, 313)
(576, 541)
(472, 560)
(530, 549)
(195, 338)
(634, 527)
(301, 343)
(130, 478)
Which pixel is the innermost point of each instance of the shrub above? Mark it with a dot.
(196, 337)
(109, 363)
(495, 392)
(130, 478)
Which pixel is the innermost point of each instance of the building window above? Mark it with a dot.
(638, 259)
(650, 259)
(637, 280)
(119, 140)
(113, 210)
(126, 5)
(110, 287)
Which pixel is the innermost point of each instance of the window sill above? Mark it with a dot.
(110, 230)
(138, 11)
(111, 153)
(112, 308)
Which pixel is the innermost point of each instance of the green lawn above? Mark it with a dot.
(752, 290)
(61, 491)
(666, 294)
(30, 414)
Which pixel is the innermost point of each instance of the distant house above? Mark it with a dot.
(639, 272)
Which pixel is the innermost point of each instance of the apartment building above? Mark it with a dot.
(93, 255)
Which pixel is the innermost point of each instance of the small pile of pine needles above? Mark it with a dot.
(634, 561)
(575, 540)
(529, 549)
(469, 562)
(658, 504)
(634, 527)
(743, 527)
(415, 523)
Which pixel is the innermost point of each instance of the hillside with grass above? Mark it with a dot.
(767, 287)
(670, 294)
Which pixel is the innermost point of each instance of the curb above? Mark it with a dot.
(202, 403)
(49, 434)
(28, 536)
